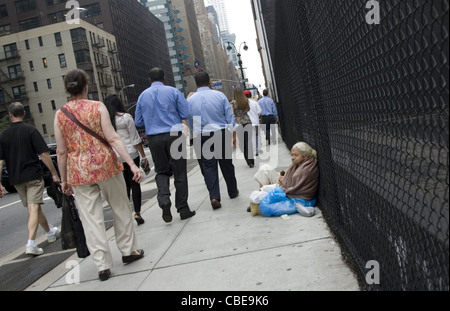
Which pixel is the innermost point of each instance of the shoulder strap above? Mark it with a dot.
(84, 127)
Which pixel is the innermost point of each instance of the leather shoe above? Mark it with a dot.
(187, 214)
(216, 204)
(132, 258)
(104, 275)
(167, 215)
(235, 195)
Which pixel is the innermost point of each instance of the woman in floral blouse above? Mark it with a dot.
(88, 169)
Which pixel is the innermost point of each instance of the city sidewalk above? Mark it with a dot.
(223, 250)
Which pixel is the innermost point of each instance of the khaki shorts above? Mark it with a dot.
(31, 192)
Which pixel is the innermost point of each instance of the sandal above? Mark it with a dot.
(139, 219)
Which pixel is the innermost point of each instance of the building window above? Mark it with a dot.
(25, 5)
(2, 97)
(36, 88)
(92, 10)
(82, 56)
(62, 60)
(19, 92)
(49, 84)
(78, 35)
(3, 11)
(15, 71)
(58, 39)
(44, 62)
(41, 43)
(10, 50)
(31, 66)
(44, 129)
(53, 2)
(57, 17)
(40, 108)
(29, 23)
(5, 29)
(53, 105)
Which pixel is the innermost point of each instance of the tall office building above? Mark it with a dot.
(33, 64)
(189, 41)
(222, 16)
(162, 10)
(138, 32)
(216, 58)
(219, 10)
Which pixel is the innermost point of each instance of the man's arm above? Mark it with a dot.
(49, 163)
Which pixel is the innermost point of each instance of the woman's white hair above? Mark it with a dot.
(306, 150)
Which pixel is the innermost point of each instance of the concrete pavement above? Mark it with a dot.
(223, 250)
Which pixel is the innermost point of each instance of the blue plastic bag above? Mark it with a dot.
(276, 204)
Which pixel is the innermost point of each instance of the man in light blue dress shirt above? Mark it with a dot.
(269, 115)
(213, 126)
(162, 110)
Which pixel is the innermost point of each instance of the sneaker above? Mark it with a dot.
(52, 234)
(33, 250)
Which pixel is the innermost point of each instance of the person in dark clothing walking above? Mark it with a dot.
(20, 145)
(212, 121)
(162, 110)
(269, 116)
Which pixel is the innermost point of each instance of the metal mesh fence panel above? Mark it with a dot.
(373, 100)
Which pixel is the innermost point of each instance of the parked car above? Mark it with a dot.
(47, 175)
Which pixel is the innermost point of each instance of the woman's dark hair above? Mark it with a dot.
(114, 106)
(75, 82)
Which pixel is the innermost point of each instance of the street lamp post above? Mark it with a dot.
(229, 48)
(125, 87)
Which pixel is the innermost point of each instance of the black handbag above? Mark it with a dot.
(72, 232)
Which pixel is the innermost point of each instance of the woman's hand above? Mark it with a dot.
(138, 176)
(67, 188)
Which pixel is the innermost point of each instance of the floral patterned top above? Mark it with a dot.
(89, 160)
(240, 115)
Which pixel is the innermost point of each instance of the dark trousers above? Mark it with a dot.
(223, 158)
(133, 186)
(166, 166)
(245, 135)
(268, 121)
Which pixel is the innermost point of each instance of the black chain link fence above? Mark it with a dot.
(373, 100)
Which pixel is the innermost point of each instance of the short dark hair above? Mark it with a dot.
(157, 75)
(75, 81)
(202, 79)
(266, 92)
(17, 110)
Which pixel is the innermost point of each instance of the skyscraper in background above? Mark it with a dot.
(222, 16)
(220, 13)
(162, 10)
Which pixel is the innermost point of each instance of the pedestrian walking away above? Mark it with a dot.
(269, 116)
(255, 115)
(90, 168)
(124, 125)
(162, 110)
(20, 145)
(212, 119)
(241, 109)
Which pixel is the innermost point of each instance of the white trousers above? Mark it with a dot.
(89, 203)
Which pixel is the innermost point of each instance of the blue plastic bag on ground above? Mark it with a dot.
(276, 204)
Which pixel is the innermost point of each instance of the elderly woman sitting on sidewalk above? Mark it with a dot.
(301, 180)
